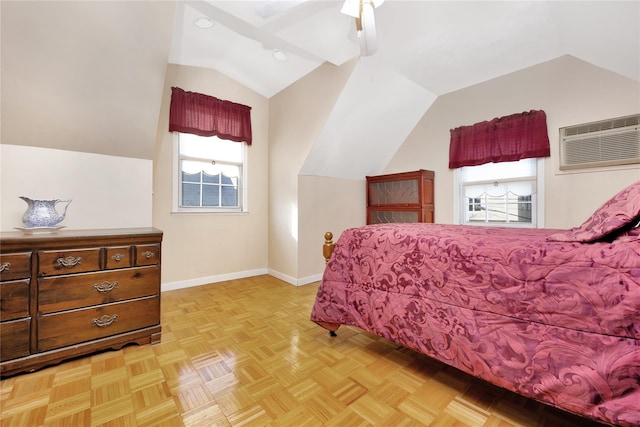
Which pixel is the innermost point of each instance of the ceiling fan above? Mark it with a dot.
(362, 11)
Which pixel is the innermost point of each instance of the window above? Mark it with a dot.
(209, 174)
(499, 194)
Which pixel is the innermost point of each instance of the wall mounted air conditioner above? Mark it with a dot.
(599, 144)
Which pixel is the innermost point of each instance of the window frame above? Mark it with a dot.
(461, 204)
(177, 185)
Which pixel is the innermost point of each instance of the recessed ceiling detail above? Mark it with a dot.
(280, 55)
(203, 22)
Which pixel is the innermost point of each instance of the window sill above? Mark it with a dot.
(208, 212)
(501, 224)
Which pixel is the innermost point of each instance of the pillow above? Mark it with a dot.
(621, 210)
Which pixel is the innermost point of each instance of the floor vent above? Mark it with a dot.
(599, 144)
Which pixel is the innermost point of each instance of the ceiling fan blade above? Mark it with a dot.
(368, 34)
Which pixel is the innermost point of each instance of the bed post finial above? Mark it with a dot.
(327, 248)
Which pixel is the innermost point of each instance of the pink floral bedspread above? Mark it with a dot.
(555, 321)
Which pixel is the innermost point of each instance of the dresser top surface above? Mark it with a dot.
(10, 239)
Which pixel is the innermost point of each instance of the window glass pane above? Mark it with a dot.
(499, 193)
(229, 180)
(499, 189)
(210, 195)
(191, 166)
(477, 211)
(496, 209)
(210, 179)
(229, 173)
(190, 194)
(210, 148)
(190, 177)
(503, 208)
(524, 209)
(229, 196)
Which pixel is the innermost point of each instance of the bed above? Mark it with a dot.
(550, 314)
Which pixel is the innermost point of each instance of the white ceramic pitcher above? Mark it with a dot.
(43, 213)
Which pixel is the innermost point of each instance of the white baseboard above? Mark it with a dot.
(211, 279)
(309, 279)
(239, 275)
(290, 280)
(293, 281)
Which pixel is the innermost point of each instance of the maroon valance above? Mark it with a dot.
(206, 115)
(503, 139)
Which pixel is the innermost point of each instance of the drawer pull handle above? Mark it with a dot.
(105, 320)
(69, 261)
(105, 287)
(118, 257)
(148, 254)
(5, 266)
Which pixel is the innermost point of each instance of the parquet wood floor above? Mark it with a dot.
(244, 353)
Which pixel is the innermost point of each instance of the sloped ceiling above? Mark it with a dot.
(88, 75)
(377, 108)
(440, 45)
(84, 76)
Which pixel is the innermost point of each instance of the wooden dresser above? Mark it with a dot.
(400, 197)
(75, 292)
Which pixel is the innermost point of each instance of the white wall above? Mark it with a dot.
(296, 118)
(321, 201)
(205, 248)
(107, 191)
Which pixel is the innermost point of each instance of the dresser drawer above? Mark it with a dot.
(118, 257)
(83, 290)
(14, 339)
(147, 254)
(14, 300)
(15, 266)
(52, 263)
(76, 326)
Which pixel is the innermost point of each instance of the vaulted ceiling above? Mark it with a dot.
(66, 65)
(441, 46)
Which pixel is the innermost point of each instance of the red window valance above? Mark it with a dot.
(206, 115)
(503, 139)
